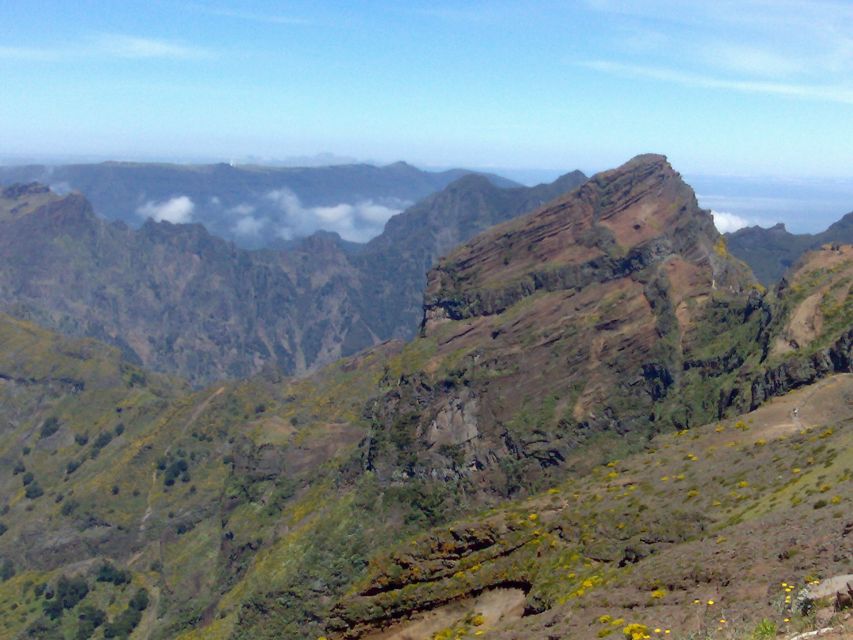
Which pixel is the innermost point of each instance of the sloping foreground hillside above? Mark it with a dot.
(705, 533)
(267, 508)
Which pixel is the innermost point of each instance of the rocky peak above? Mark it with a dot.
(620, 222)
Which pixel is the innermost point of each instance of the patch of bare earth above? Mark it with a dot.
(496, 606)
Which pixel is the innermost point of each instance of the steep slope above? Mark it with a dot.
(694, 535)
(177, 299)
(558, 327)
(219, 195)
(771, 252)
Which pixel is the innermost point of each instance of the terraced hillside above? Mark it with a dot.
(533, 465)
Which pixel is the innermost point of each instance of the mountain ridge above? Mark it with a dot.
(192, 303)
(221, 195)
(774, 250)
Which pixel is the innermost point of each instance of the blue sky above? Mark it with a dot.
(748, 88)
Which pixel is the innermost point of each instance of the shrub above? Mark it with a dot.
(108, 572)
(81, 439)
(52, 608)
(90, 619)
(27, 478)
(124, 624)
(7, 569)
(50, 426)
(764, 630)
(119, 429)
(103, 439)
(139, 601)
(72, 466)
(34, 491)
(70, 591)
(68, 507)
(3, 528)
(93, 614)
(177, 468)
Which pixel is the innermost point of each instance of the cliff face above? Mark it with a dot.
(556, 328)
(814, 332)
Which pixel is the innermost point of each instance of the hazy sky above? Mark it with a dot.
(746, 87)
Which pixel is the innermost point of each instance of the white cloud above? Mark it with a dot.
(176, 210)
(357, 222)
(826, 93)
(111, 45)
(728, 222)
(249, 226)
(270, 18)
(27, 53)
(752, 60)
(125, 46)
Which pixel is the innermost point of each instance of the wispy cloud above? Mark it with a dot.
(125, 46)
(825, 93)
(110, 45)
(356, 222)
(269, 18)
(27, 53)
(794, 48)
(751, 60)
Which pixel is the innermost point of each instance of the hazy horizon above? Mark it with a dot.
(749, 88)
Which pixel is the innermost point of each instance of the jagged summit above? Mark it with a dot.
(619, 222)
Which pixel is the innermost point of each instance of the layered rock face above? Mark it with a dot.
(555, 328)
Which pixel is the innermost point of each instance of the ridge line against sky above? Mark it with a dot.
(751, 87)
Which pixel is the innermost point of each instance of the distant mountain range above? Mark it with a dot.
(772, 251)
(178, 299)
(252, 205)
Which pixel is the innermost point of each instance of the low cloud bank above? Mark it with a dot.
(176, 210)
(356, 222)
(728, 222)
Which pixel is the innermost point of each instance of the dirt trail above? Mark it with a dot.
(806, 408)
(193, 417)
(149, 617)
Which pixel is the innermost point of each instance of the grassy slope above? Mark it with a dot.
(722, 513)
